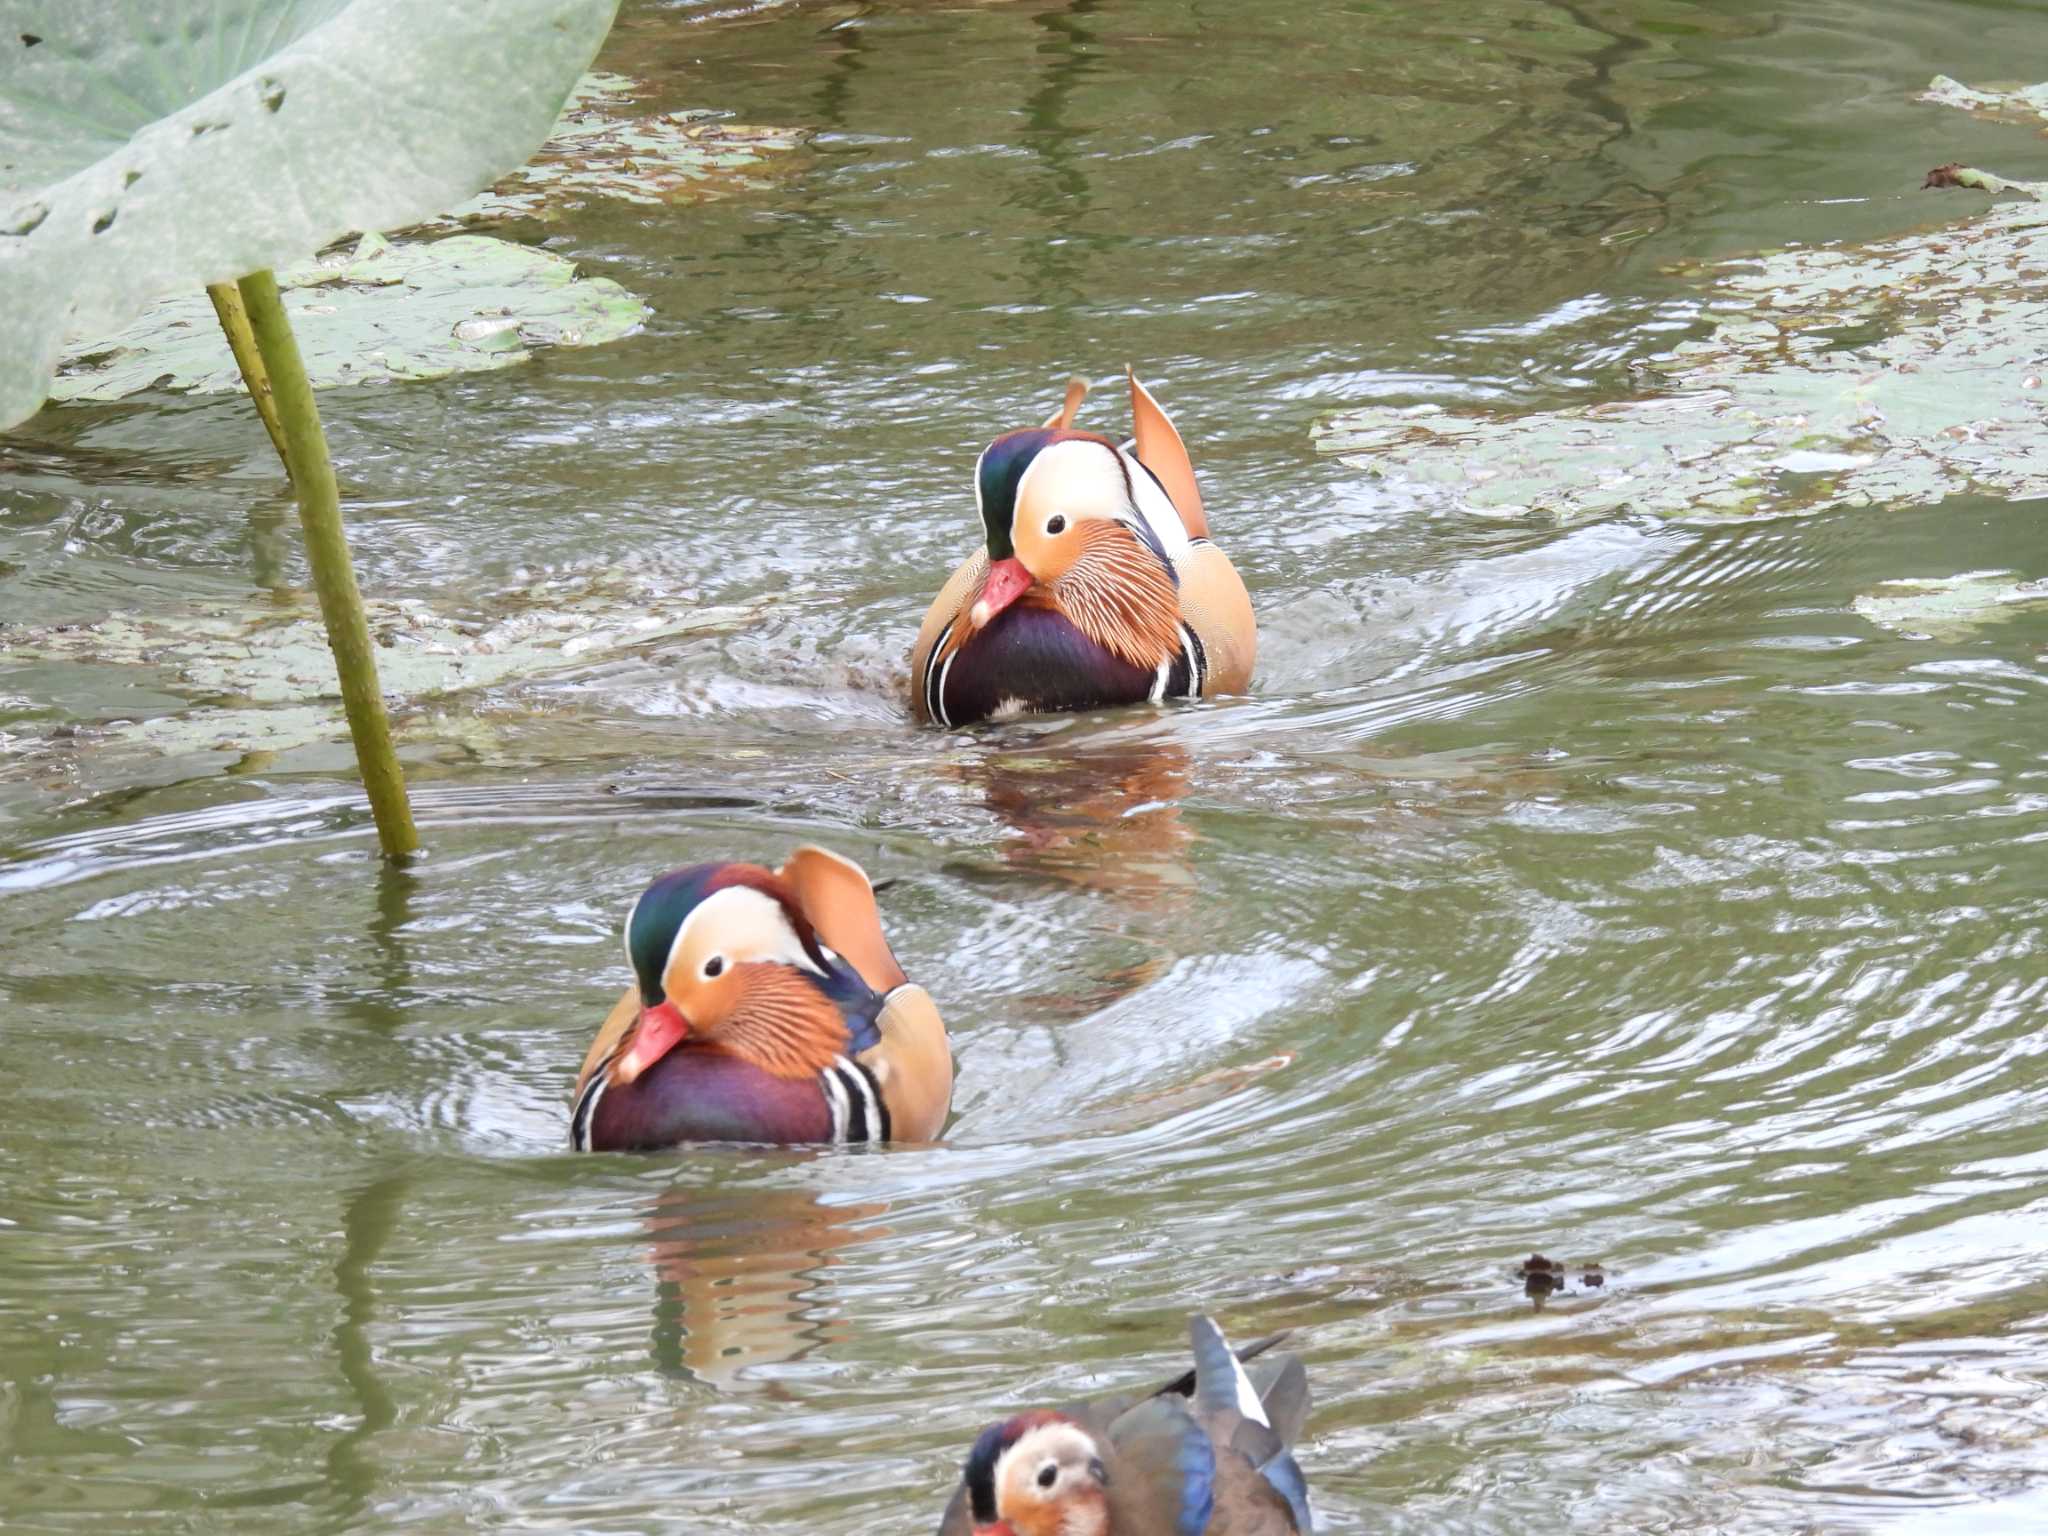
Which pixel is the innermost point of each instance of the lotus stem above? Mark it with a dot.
(334, 577)
(234, 324)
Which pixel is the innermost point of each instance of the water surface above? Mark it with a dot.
(1615, 892)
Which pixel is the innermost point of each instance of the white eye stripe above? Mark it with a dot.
(737, 903)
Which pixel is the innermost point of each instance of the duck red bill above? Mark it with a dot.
(1007, 581)
(657, 1033)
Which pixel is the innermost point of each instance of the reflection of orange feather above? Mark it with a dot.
(1105, 818)
(782, 1023)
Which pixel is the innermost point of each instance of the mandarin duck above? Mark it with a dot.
(1208, 1452)
(1098, 584)
(766, 1006)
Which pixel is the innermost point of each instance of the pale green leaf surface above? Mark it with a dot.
(153, 146)
(378, 312)
(1776, 412)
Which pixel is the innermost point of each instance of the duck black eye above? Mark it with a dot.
(1056, 524)
(714, 966)
(1048, 1475)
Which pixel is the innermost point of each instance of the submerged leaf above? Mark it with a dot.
(1946, 607)
(150, 147)
(373, 313)
(1776, 411)
(598, 150)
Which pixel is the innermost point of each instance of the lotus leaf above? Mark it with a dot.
(1777, 411)
(371, 313)
(149, 147)
(597, 150)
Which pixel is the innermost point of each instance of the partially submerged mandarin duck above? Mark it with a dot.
(1209, 1452)
(1098, 584)
(766, 1006)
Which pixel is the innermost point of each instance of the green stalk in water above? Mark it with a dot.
(334, 577)
(234, 324)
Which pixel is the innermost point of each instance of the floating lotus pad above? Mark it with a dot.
(371, 314)
(598, 151)
(1778, 411)
(1948, 607)
(2026, 103)
(250, 668)
(148, 150)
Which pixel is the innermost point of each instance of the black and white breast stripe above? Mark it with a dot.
(585, 1112)
(855, 1099)
(1180, 676)
(934, 679)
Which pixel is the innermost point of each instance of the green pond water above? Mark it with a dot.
(1616, 890)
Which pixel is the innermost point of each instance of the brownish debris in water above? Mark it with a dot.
(1541, 1277)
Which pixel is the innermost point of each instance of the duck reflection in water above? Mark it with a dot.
(1104, 816)
(739, 1276)
(1101, 812)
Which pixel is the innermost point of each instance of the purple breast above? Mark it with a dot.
(1037, 657)
(698, 1094)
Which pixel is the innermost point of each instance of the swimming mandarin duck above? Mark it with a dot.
(1098, 584)
(1210, 1452)
(766, 1006)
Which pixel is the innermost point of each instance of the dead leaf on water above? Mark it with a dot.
(601, 149)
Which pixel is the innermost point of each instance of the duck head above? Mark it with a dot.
(1038, 1474)
(724, 953)
(1067, 516)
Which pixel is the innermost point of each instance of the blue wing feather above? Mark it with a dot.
(1285, 1474)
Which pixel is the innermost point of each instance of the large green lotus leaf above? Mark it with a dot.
(1897, 372)
(2026, 103)
(600, 150)
(366, 315)
(152, 146)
